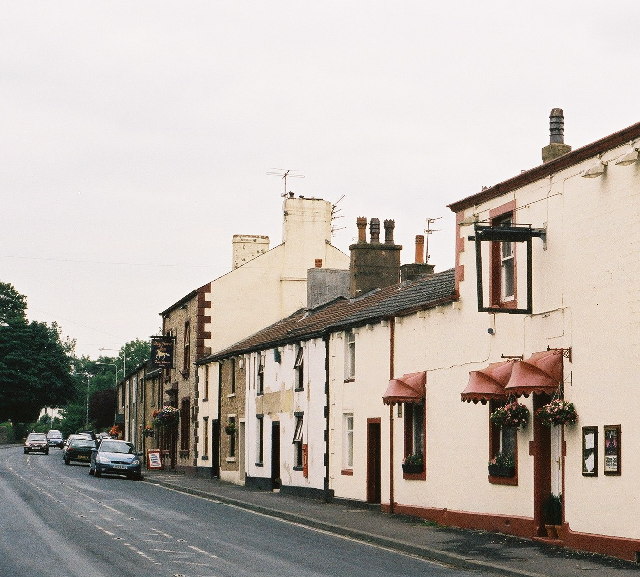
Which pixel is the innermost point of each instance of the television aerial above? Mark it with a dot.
(285, 173)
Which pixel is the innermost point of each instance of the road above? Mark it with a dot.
(58, 521)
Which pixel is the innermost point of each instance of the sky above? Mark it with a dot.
(138, 137)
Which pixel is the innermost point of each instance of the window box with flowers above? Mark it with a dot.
(502, 466)
(557, 412)
(513, 414)
(413, 464)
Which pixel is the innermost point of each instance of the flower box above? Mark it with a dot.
(502, 470)
(412, 468)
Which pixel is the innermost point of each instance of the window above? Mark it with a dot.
(299, 368)
(502, 440)
(186, 348)
(232, 377)
(205, 394)
(414, 428)
(297, 442)
(347, 443)
(349, 355)
(259, 440)
(503, 269)
(185, 417)
(260, 373)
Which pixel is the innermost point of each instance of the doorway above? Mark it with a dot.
(275, 455)
(373, 461)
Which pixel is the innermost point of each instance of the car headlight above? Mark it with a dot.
(135, 462)
(102, 459)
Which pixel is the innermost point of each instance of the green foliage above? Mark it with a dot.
(34, 362)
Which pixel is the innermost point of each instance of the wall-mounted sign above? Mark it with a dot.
(162, 352)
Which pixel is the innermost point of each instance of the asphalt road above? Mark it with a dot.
(58, 521)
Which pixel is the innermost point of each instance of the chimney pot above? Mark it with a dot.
(374, 230)
(361, 223)
(389, 225)
(556, 146)
(419, 248)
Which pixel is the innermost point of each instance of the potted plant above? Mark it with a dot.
(557, 412)
(552, 513)
(413, 463)
(502, 465)
(513, 414)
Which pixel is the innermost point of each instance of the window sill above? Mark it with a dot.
(350, 380)
(347, 472)
(414, 476)
(298, 468)
(230, 460)
(259, 464)
(206, 399)
(204, 458)
(231, 395)
(298, 389)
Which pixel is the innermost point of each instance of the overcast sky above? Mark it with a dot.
(137, 136)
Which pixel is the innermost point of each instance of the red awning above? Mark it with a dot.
(540, 373)
(489, 383)
(409, 388)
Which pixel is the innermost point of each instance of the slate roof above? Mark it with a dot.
(397, 300)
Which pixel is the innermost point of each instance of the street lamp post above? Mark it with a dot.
(124, 359)
(86, 422)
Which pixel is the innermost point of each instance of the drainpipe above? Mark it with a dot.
(327, 488)
(392, 343)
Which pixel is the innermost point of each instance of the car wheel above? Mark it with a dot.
(97, 473)
(90, 471)
(26, 452)
(46, 452)
(66, 461)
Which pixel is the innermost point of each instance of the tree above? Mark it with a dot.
(137, 353)
(35, 362)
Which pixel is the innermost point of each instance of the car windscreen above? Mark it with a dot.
(37, 437)
(113, 447)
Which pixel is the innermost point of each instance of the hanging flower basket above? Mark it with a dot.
(147, 431)
(513, 414)
(230, 429)
(166, 416)
(557, 412)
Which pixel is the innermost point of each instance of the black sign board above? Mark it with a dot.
(162, 352)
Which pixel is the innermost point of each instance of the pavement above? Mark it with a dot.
(475, 550)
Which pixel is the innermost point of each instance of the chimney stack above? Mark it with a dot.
(374, 264)
(419, 269)
(556, 146)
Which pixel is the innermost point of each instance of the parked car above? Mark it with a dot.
(78, 450)
(115, 457)
(54, 438)
(36, 443)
